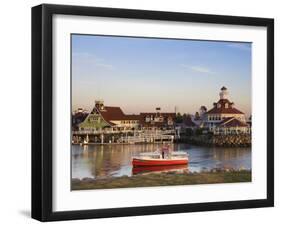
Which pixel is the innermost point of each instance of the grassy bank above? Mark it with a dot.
(162, 179)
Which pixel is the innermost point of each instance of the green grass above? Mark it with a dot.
(163, 179)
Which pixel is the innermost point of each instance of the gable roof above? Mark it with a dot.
(222, 109)
(232, 122)
(115, 114)
(110, 113)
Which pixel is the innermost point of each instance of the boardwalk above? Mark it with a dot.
(125, 136)
(150, 138)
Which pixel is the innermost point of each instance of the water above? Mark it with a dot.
(104, 161)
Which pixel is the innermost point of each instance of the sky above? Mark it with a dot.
(140, 74)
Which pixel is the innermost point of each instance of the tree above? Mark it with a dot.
(179, 118)
(184, 116)
(197, 116)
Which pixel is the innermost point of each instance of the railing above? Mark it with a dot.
(133, 136)
(146, 139)
(146, 132)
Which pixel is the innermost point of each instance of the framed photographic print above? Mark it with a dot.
(145, 112)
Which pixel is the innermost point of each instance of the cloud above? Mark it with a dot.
(199, 69)
(103, 65)
(87, 58)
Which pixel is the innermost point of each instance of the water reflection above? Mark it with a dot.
(103, 161)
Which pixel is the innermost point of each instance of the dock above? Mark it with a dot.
(124, 137)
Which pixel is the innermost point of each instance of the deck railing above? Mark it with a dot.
(147, 132)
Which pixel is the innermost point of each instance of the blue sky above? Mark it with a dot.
(139, 74)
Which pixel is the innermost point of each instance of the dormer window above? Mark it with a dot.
(218, 105)
(226, 105)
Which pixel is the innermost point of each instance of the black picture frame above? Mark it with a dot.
(42, 111)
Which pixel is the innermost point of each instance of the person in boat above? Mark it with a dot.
(164, 149)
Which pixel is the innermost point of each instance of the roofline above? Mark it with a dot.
(241, 113)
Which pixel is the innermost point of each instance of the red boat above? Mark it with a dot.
(160, 159)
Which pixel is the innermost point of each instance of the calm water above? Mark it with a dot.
(103, 161)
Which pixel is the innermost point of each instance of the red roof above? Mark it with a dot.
(232, 122)
(115, 113)
(132, 117)
(220, 108)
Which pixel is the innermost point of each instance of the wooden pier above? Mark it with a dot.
(124, 137)
(147, 139)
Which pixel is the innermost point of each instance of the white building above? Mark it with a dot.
(224, 118)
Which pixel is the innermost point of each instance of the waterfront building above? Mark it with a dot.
(107, 117)
(157, 120)
(224, 118)
(113, 118)
(232, 125)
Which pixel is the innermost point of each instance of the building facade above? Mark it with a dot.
(224, 118)
(108, 118)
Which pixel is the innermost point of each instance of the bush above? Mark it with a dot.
(189, 132)
(199, 131)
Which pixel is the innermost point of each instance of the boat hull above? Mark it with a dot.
(159, 162)
(149, 169)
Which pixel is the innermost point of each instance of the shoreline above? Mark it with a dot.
(199, 144)
(206, 140)
(164, 179)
